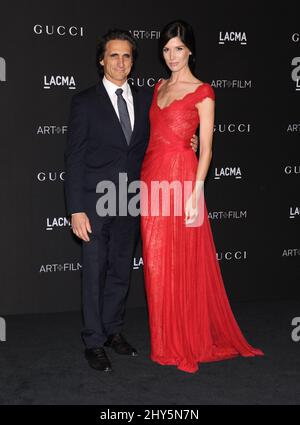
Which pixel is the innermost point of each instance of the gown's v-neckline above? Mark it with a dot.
(176, 100)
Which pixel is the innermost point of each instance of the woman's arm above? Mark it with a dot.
(206, 110)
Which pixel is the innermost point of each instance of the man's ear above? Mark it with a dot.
(101, 62)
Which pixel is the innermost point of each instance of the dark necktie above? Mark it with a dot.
(124, 115)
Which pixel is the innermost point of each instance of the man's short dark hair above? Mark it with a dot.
(114, 34)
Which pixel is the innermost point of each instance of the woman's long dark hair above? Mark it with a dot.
(185, 32)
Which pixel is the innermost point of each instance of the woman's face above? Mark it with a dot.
(176, 54)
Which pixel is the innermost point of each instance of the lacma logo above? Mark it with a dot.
(232, 37)
(2, 330)
(57, 222)
(60, 81)
(228, 172)
(2, 69)
(137, 263)
(294, 212)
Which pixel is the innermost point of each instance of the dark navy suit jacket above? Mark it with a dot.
(97, 149)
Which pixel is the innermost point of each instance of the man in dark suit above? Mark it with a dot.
(107, 135)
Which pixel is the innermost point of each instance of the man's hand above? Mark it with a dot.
(81, 226)
(194, 143)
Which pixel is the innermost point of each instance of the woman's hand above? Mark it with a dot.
(193, 204)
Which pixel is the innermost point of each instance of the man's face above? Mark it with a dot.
(117, 61)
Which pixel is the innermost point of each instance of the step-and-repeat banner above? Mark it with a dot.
(251, 57)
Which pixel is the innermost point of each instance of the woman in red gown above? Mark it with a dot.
(189, 314)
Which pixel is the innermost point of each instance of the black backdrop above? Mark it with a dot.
(250, 55)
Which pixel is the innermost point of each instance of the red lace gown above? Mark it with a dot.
(189, 313)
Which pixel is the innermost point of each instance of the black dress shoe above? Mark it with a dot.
(97, 359)
(118, 343)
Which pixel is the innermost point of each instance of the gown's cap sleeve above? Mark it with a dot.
(204, 91)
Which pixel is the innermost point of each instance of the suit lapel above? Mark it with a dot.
(136, 107)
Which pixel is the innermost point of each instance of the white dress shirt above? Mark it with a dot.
(111, 91)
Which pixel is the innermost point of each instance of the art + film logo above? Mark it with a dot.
(59, 267)
(145, 34)
(227, 215)
(291, 252)
(293, 128)
(51, 130)
(231, 84)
